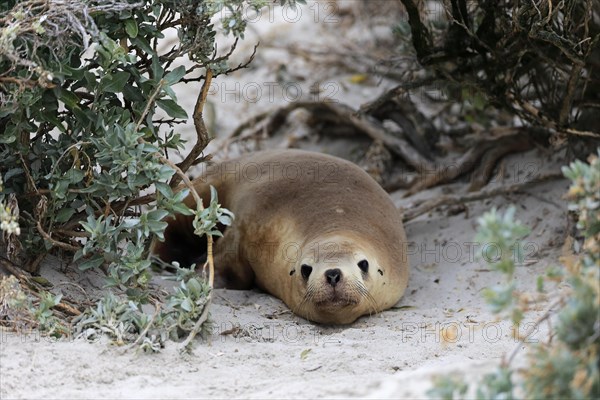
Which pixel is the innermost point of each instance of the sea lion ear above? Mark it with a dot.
(305, 270)
(364, 266)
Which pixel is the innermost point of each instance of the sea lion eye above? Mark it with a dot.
(363, 265)
(305, 270)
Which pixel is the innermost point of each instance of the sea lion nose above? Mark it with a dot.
(333, 276)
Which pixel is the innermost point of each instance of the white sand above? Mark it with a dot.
(391, 355)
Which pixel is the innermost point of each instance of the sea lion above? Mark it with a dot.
(316, 231)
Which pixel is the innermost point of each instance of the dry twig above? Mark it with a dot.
(413, 212)
(341, 115)
(489, 150)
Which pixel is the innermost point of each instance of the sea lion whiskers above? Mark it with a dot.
(362, 290)
(310, 293)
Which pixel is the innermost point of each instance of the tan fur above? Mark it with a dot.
(295, 207)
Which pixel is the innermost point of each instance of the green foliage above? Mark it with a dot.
(585, 195)
(501, 235)
(205, 222)
(579, 320)
(497, 386)
(125, 321)
(85, 135)
(46, 319)
(560, 373)
(15, 310)
(188, 302)
(567, 366)
(88, 113)
(448, 388)
(23, 312)
(112, 316)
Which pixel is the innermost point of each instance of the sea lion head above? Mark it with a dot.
(337, 279)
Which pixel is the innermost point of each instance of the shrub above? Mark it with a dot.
(85, 152)
(568, 366)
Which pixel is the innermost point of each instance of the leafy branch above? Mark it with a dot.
(89, 118)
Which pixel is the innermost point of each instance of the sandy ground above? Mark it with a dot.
(276, 354)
